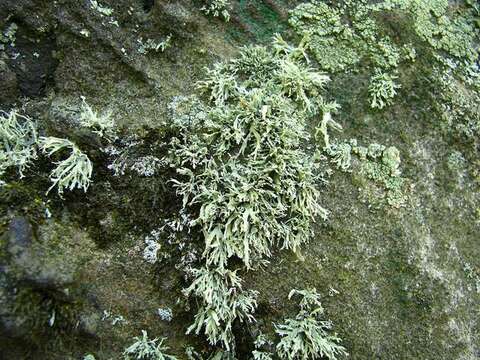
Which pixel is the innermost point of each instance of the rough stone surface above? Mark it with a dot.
(8, 79)
(393, 281)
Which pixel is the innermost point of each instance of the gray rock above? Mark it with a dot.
(36, 261)
(89, 324)
(8, 79)
(20, 238)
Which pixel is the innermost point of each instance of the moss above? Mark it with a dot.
(22, 196)
(259, 19)
(49, 319)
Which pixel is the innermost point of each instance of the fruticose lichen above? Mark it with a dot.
(307, 335)
(245, 180)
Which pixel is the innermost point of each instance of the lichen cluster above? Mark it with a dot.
(73, 172)
(18, 137)
(377, 163)
(217, 8)
(307, 336)
(245, 179)
(347, 37)
(20, 145)
(145, 348)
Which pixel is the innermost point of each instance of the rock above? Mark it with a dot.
(20, 238)
(89, 323)
(47, 262)
(18, 241)
(10, 90)
(39, 273)
(11, 325)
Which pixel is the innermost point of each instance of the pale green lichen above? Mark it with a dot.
(219, 354)
(246, 183)
(222, 302)
(260, 342)
(307, 336)
(152, 45)
(19, 144)
(101, 124)
(382, 89)
(102, 10)
(217, 8)
(329, 39)
(146, 349)
(341, 154)
(73, 172)
(18, 139)
(382, 165)
(376, 162)
(327, 123)
(261, 355)
(385, 55)
(342, 37)
(8, 36)
(432, 22)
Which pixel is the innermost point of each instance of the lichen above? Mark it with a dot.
(8, 36)
(376, 163)
(18, 138)
(344, 46)
(245, 181)
(102, 10)
(382, 89)
(217, 8)
(101, 124)
(143, 348)
(73, 172)
(307, 336)
(155, 46)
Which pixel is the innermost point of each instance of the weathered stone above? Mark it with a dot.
(37, 261)
(9, 86)
(89, 324)
(20, 235)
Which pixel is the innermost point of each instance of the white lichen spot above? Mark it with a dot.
(150, 253)
(151, 45)
(85, 33)
(104, 11)
(165, 314)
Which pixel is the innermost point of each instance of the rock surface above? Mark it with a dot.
(9, 85)
(397, 283)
